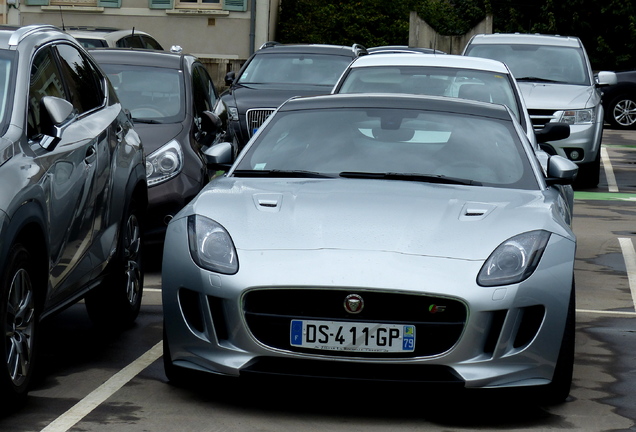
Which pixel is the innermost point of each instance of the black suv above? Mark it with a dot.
(73, 199)
(277, 72)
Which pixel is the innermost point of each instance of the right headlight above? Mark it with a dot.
(211, 246)
(164, 163)
(514, 260)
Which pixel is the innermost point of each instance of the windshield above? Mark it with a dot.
(153, 95)
(435, 81)
(297, 68)
(402, 144)
(563, 65)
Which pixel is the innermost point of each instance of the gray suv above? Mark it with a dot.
(73, 199)
(558, 85)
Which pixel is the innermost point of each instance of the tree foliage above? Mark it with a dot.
(607, 28)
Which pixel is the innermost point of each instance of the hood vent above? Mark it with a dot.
(475, 211)
(268, 202)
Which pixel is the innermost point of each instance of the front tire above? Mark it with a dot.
(115, 304)
(19, 317)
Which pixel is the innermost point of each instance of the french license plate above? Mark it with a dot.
(354, 337)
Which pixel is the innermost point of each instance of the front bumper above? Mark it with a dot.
(510, 335)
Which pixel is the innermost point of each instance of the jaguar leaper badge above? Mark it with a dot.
(353, 304)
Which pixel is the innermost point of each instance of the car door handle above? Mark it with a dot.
(91, 155)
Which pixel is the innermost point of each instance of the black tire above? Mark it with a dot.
(115, 303)
(621, 112)
(18, 314)
(559, 389)
(589, 173)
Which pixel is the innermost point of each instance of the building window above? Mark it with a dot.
(198, 4)
(73, 2)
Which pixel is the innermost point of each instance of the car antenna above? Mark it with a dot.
(62, 17)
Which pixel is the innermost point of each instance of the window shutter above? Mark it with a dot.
(235, 5)
(109, 3)
(160, 4)
(37, 2)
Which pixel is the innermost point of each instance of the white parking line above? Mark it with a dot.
(609, 171)
(80, 410)
(601, 312)
(630, 263)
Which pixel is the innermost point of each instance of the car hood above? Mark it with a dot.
(153, 136)
(557, 96)
(412, 218)
(269, 96)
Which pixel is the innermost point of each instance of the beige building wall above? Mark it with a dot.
(423, 35)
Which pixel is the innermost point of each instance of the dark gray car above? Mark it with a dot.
(172, 100)
(73, 197)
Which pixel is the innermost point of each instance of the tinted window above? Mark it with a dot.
(83, 80)
(45, 81)
(538, 62)
(203, 89)
(92, 43)
(332, 141)
(150, 43)
(6, 86)
(295, 69)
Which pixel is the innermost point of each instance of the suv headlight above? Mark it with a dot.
(514, 260)
(583, 116)
(211, 246)
(164, 163)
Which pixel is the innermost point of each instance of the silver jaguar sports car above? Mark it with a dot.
(378, 237)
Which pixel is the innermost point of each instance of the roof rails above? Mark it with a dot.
(269, 44)
(22, 32)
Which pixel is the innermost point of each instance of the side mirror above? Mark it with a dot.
(210, 122)
(219, 155)
(57, 114)
(605, 78)
(552, 132)
(229, 78)
(561, 171)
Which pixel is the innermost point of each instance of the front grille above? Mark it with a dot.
(439, 321)
(541, 117)
(256, 117)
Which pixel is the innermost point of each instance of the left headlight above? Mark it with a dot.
(211, 246)
(574, 117)
(164, 163)
(514, 260)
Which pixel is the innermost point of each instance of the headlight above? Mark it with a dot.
(514, 260)
(164, 163)
(584, 116)
(211, 247)
(233, 113)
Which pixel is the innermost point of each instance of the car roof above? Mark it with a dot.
(275, 47)
(526, 39)
(139, 57)
(438, 60)
(102, 32)
(10, 35)
(382, 101)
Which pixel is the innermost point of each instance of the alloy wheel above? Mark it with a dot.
(20, 321)
(132, 258)
(624, 113)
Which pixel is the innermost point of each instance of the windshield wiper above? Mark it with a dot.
(281, 173)
(537, 79)
(145, 121)
(427, 178)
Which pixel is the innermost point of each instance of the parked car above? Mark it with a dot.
(558, 85)
(377, 237)
(277, 72)
(172, 100)
(103, 37)
(73, 198)
(619, 101)
(397, 49)
(465, 77)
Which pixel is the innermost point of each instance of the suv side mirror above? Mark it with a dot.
(211, 123)
(57, 114)
(219, 155)
(561, 171)
(605, 78)
(552, 132)
(229, 78)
